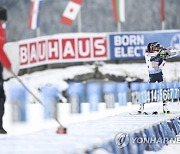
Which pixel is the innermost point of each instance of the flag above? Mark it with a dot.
(34, 16)
(118, 10)
(71, 11)
(162, 11)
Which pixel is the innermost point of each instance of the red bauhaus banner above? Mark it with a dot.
(62, 48)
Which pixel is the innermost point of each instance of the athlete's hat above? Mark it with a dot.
(3, 13)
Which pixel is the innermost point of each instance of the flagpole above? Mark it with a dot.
(162, 14)
(119, 26)
(163, 25)
(37, 32)
(79, 22)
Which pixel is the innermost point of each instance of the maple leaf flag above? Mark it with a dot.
(71, 12)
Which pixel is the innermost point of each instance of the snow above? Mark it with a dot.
(82, 135)
(57, 76)
(36, 80)
(54, 76)
(171, 148)
(139, 70)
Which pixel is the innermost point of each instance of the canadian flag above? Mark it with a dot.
(71, 12)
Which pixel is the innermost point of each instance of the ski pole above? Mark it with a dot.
(61, 129)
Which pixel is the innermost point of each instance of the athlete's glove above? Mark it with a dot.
(163, 53)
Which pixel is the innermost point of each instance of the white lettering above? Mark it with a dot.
(86, 51)
(130, 51)
(33, 54)
(125, 40)
(53, 48)
(100, 49)
(117, 40)
(136, 51)
(117, 52)
(132, 39)
(23, 54)
(68, 50)
(42, 50)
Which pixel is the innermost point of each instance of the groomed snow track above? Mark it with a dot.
(97, 136)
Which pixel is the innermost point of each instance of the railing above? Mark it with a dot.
(151, 135)
(95, 92)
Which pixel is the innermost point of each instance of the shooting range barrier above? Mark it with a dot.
(93, 94)
(18, 97)
(102, 134)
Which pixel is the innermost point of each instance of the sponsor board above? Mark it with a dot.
(62, 48)
(128, 46)
(83, 47)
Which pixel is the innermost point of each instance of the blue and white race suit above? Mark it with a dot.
(155, 65)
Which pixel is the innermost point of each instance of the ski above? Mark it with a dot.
(138, 113)
(151, 113)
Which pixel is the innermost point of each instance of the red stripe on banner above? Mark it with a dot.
(162, 10)
(30, 15)
(114, 11)
(77, 1)
(66, 21)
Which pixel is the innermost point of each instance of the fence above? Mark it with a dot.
(158, 130)
(94, 93)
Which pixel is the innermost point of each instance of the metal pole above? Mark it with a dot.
(119, 26)
(79, 22)
(38, 32)
(163, 25)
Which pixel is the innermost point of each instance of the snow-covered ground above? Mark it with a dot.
(57, 77)
(171, 148)
(139, 70)
(85, 132)
(130, 71)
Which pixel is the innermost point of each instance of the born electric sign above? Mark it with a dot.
(127, 46)
(62, 48)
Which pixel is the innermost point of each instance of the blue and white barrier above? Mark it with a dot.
(135, 92)
(109, 90)
(113, 92)
(76, 94)
(144, 93)
(175, 90)
(94, 95)
(154, 92)
(165, 93)
(18, 97)
(50, 95)
(122, 92)
(161, 130)
(160, 92)
(151, 138)
(170, 90)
